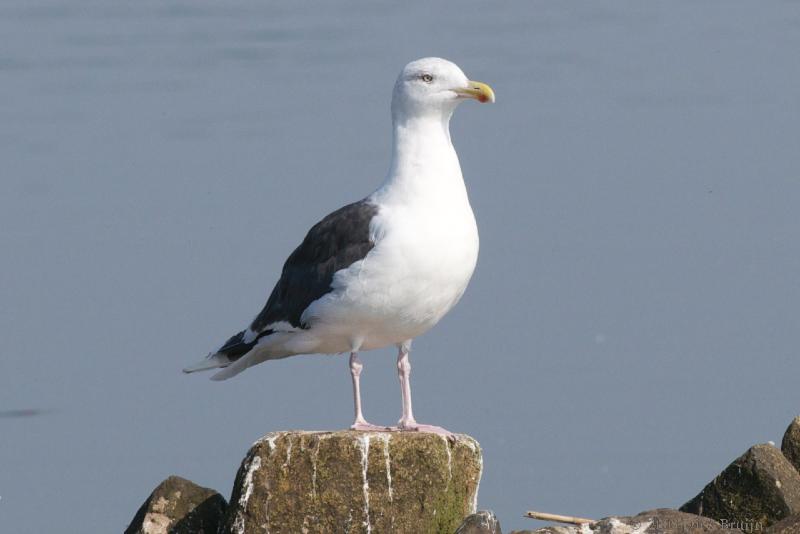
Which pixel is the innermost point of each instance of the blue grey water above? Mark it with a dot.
(633, 322)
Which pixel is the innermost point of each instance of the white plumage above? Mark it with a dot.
(417, 251)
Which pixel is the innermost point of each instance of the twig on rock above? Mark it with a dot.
(558, 518)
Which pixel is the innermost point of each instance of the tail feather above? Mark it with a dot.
(213, 361)
(236, 346)
(232, 370)
(231, 350)
(236, 354)
(270, 347)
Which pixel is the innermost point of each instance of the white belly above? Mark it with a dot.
(417, 271)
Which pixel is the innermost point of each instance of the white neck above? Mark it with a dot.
(424, 163)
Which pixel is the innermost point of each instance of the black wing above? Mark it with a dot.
(336, 242)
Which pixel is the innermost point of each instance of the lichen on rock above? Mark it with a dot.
(179, 506)
(357, 482)
(790, 445)
(483, 522)
(760, 487)
(658, 521)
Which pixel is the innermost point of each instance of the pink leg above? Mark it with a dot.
(355, 372)
(407, 421)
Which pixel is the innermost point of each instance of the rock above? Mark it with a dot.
(760, 487)
(556, 529)
(790, 525)
(547, 530)
(663, 521)
(179, 506)
(331, 482)
(660, 521)
(483, 522)
(791, 443)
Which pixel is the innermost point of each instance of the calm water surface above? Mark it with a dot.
(632, 324)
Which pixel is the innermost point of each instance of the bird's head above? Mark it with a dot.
(434, 86)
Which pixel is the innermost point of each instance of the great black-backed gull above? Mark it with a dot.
(385, 269)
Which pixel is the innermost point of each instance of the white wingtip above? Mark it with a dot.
(213, 361)
(248, 360)
(227, 372)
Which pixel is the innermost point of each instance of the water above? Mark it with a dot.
(631, 327)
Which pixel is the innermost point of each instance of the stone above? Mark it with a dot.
(179, 506)
(659, 521)
(483, 522)
(790, 446)
(789, 525)
(356, 482)
(551, 529)
(760, 488)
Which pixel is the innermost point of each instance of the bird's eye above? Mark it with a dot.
(427, 78)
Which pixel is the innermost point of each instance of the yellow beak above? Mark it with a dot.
(477, 90)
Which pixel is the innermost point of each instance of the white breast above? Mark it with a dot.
(426, 258)
(426, 247)
(423, 259)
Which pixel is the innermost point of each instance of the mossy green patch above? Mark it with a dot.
(355, 482)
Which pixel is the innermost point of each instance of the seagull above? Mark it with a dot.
(385, 269)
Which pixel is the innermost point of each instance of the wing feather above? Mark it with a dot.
(336, 242)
